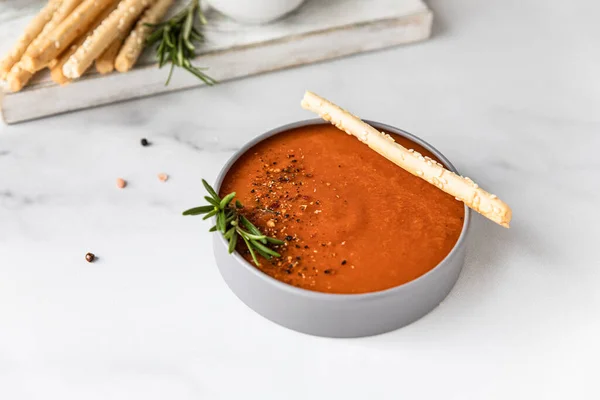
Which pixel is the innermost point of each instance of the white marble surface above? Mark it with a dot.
(509, 91)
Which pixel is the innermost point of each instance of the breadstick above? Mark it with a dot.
(18, 77)
(33, 29)
(462, 188)
(62, 12)
(65, 33)
(20, 74)
(134, 44)
(94, 45)
(106, 62)
(56, 70)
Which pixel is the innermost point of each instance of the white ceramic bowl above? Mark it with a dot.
(255, 11)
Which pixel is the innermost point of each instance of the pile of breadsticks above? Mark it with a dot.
(68, 36)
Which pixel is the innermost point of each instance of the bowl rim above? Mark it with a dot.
(338, 296)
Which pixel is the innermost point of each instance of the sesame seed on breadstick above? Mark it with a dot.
(109, 29)
(56, 70)
(66, 33)
(461, 188)
(32, 30)
(134, 44)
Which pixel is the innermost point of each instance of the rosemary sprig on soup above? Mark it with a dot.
(234, 225)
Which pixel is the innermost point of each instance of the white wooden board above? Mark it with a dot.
(318, 31)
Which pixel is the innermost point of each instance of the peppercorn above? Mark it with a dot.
(90, 257)
(144, 142)
(343, 262)
(288, 238)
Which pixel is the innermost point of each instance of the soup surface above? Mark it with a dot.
(353, 222)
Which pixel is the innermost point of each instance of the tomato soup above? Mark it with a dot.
(352, 221)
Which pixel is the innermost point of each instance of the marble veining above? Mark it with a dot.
(508, 92)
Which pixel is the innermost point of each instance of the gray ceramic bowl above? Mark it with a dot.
(338, 315)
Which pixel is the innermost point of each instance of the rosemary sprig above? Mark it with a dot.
(233, 225)
(175, 39)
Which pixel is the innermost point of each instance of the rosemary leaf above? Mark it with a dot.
(229, 233)
(212, 201)
(210, 214)
(253, 229)
(198, 210)
(187, 25)
(233, 242)
(264, 248)
(274, 240)
(262, 253)
(211, 191)
(221, 221)
(251, 251)
(170, 73)
(226, 200)
(249, 235)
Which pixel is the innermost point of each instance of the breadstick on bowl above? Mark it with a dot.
(65, 33)
(32, 30)
(97, 42)
(462, 188)
(56, 70)
(134, 44)
(64, 9)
